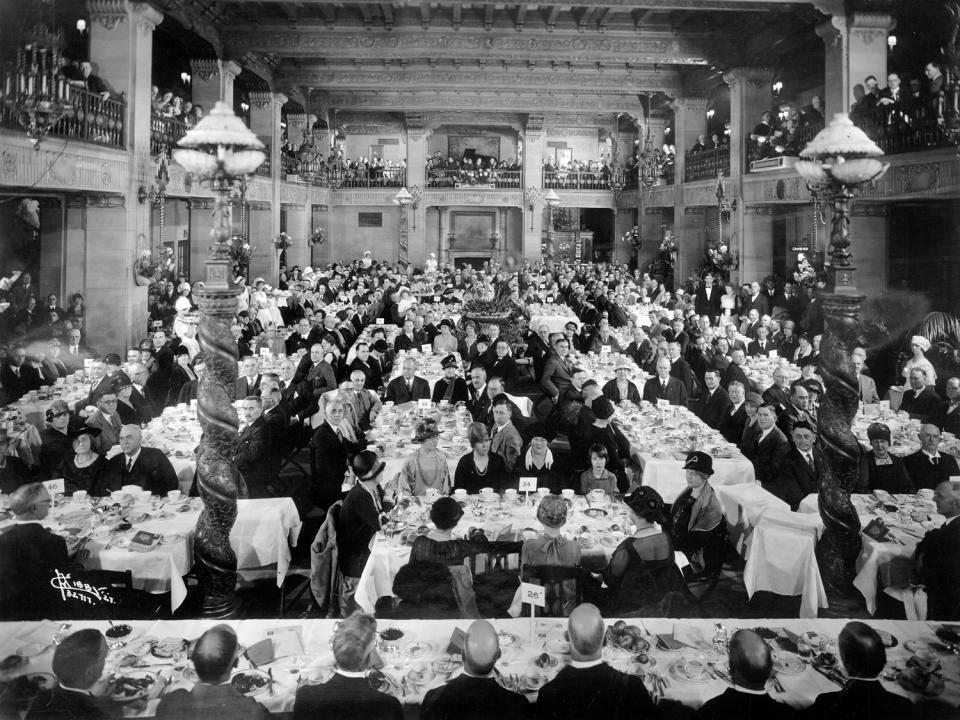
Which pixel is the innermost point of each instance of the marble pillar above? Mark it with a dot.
(212, 81)
(265, 262)
(418, 246)
(298, 228)
(855, 46)
(690, 120)
(533, 217)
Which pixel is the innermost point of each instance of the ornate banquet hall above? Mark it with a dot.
(450, 359)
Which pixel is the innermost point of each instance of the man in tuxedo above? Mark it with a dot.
(938, 556)
(18, 377)
(707, 300)
(478, 400)
(664, 386)
(770, 449)
(949, 418)
(864, 658)
(734, 371)
(331, 446)
(921, 400)
(750, 668)
(588, 687)
(556, 371)
(408, 387)
(249, 382)
(715, 404)
(732, 423)
(214, 658)
(799, 473)
(348, 693)
(475, 694)
(761, 347)
(254, 456)
(451, 387)
(928, 467)
(144, 466)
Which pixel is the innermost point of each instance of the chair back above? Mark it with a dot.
(325, 576)
(563, 583)
(495, 555)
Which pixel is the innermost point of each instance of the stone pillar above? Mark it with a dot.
(855, 46)
(200, 224)
(869, 234)
(443, 223)
(296, 127)
(298, 228)
(751, 93)
(211, 81)
(654, 127)
(75, 248)
(121, 46)
(533, 217)
(622, 224)
(756, 250)
(265, 122)
(417, 243)
(265, 262)
(690, 120)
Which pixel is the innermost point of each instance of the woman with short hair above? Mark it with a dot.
(480, 468)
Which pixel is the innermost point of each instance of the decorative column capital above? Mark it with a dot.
(534, 125)
(264, 98)
(754, 76)
(230, 68)
(690, 103)
(204, 68)
(108, 13)
(868, 27)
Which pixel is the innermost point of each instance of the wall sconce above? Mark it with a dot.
(891, 41)
(82, 26)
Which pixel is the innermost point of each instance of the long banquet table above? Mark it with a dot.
(309, 659)
(261, 537)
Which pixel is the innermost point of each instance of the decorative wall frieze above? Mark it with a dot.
(258, 206)
(364, 197)
(756, 77)
(75, 167)
(587, 198)
(488, 198)
(204, 68)
(108, 13)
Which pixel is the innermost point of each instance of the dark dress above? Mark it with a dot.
(469, 479)
(359, 522)
(55, 448)
(95, 478)
(640, 574)
(893, 478)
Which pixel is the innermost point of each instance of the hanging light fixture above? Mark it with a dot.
(35, 93)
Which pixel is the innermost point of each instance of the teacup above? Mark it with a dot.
(486, 491)
(459, 492)
(80, 496)
(144, 496)
(925, 493)
(567, 493)
(510, 493)
(543, 492)
(117, 495)
(694, 668)
(173, 495)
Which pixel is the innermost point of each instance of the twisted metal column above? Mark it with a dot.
(839, 546)
(217, 478)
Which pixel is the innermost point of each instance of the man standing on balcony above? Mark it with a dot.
(93, 83)
(935, 83)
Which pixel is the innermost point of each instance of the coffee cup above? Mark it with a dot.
(543, 492)
(567, 493)
(117, 495)
(144, 496)
(80, 496)
(694, 668)
(459, 493)
(510, 493)
(173, 495)
(486, 491)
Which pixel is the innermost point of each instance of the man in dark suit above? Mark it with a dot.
(921, 400)
(938, 556)
(556, 371)
(249, 382)
(796, 410)
(664, 387)
(370, 368)
(734, 371)
(505, 367)
(80, 693)
(254, 458)
(29, 553)
(863, 657)
(778, 394)
(13, 471)
(750, 667)
(348, 693)
(408, 339)
(757, 300)
(331, 448)
(949, 417)
(588, 687)
(214, 658)
(761, 347)
(408, 387)
(681, 370)
(714, 405)
(732, 423)
(770, 448)
(799, 473)
(303, 338)
(707, 300)
(19, 377)
(478, 399)
(475, 694)
(144, 466)
(928, 467)
(451, 387)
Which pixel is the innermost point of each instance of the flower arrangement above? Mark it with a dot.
(661, 265)
(319, 237)
(808, 273)
(632, 237)
(282, 241)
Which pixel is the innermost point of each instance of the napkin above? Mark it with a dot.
(688, 635)
(667, 642)
(261, 653)
(286, 641)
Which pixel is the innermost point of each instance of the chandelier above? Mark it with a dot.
(309, 159)
(34, 91)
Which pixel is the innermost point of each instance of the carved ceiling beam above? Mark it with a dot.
(520, 17)
(424, 15)
(552, 18)
(454, 100)
(305, 40)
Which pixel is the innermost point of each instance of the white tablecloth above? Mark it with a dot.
(667, 476)
(315, 664)
(743, 506)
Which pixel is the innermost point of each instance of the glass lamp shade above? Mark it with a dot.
(223, 138)
(551, 198)
(403, 197)
(810, 171)
(197, 162)
(840, 137)
(858, 171)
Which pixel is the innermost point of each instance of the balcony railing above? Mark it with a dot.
(896, 131)
(373, 177)
(471, 178)
(90, 119)
(670, 173)
(569, 180)
(705, 165)
(164, 133)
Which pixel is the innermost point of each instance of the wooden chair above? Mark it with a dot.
(564, 584)
(701, 588)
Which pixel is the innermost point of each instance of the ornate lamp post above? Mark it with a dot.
(219, 151)
(837, 161)
(552, 200)
(404, 199)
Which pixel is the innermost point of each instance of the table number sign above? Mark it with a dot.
(426, 349)
(379, 321)
(54, 486)
(663, 403)
(528, 484)
(425, 404)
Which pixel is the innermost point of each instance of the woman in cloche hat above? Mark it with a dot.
(697, 518)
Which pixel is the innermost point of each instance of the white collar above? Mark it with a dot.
(929, 455)
(133, 458)
(654, 529)
(82, 691)
(351, 673)
(479, 677)
(865, 679)
(18, 521)
(740, 688)
(583, 664)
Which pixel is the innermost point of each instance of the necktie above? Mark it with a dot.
(935, 460)
(73, 349)
(16, 371)
(339, 435)
(129, 464)
(810, 459)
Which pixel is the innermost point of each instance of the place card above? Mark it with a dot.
(663, 403)
(426, 349)
(772, 354)
(533, 594)
(604, 349)
(379, 321)
(425, 404)
(550, 299)
(54, 486)
(528, 484)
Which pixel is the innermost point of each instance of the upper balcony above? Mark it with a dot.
(89, 118)
(706, 164)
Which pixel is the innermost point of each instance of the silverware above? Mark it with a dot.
(270, 676)
(776, 683)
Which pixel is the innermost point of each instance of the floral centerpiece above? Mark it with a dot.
(499, 311)
(319, 237)
(717, 261)
(241, 252)
(632, 237)
(661, 265)
(809, 273)
(281, 242)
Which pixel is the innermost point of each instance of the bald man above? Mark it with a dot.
(137, 465)
(863, 657)
(474, 694)
(750, 668)
(588, 687)
(214, 658)
(938, 556)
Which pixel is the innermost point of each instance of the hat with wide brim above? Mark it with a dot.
(699, 461)
(450, 361)
(426, 430)
(77, 430)
(448, 323)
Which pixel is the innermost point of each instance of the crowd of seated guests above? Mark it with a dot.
(472, 170)
(27, 316)
(170, 104)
